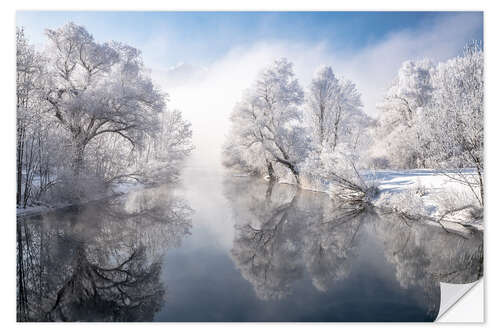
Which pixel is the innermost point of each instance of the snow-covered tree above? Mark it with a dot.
(162, 158)
(455, 124)
(273, 130)
(333, 106)
(338, 128)
(99, 89)
(89, 115)
(27, 69)
(35, 133)
(399, 130)
(244, 146)
(432, 116)
(266, 128)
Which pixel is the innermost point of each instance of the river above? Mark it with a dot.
(223, 248)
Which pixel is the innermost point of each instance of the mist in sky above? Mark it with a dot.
(205, 61)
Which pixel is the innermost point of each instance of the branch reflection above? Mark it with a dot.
(100, 262)
(284, 233)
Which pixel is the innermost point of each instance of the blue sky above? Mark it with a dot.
(202, 37)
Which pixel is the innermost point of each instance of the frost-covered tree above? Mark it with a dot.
(455, 125)
(88, 116)
(36, 142)
(162, 158)
(27, 69)
(399, 129)
(244, 146)
(432, 116)
(266, 131)
(273, 130)
(338, 129)
(99, 89)
(333, 106)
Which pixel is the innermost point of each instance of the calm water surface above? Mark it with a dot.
(220, 248)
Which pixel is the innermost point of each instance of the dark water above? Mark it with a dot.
(222, 248)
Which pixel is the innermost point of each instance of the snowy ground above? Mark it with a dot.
(428, 193)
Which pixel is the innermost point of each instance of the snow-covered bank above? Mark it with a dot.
(429, 194)
(114, 191)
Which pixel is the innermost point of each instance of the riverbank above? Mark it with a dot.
(114, 191)
(429, 194)
(420, 194)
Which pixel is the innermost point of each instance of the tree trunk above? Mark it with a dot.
(296, 174)
(30, 165)
(336, 128)
(285, 161)
(78, 155)
(481, 185)
(321, 125)
(269, 191)
(270, 171)
(335, 137)
(291, 167)
(20, 153)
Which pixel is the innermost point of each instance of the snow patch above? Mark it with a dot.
(427, 193)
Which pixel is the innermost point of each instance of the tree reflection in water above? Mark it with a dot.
(104, 261)
(424, 256)
(284, 234)
(100, 263)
